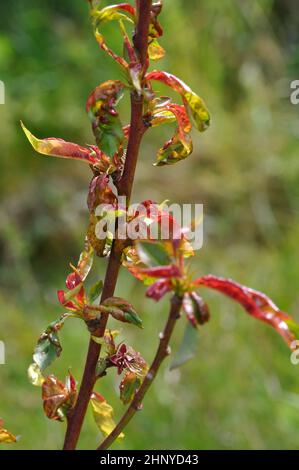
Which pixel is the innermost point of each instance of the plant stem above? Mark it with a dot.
(137, 129)
(162, 352)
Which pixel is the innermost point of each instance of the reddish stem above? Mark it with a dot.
(137, 128)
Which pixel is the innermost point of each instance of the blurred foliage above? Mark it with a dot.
(240, 55)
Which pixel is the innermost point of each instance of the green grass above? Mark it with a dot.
(241, 390)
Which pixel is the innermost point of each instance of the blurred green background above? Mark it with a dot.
(241, 391)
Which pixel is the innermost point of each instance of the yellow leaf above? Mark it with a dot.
(35, 375)
(103, 414)
(5, 436)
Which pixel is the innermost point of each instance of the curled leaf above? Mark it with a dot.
(196, 309)
(256, 304)
(58, 398)
(103, 414)
(126, 358)
(47, 349)
(196, 105)
(119, 12)
(35, 375)
(128, 387)
(106, 125)
(122, 310)
(180, 145)
(60, 148)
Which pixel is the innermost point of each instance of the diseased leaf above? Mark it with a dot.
(196, 309)
(196, 105)
(128, 387)
(47, 349)
(35, 375)
(6, 437)
(58, 398)
(106, 125)
(256, 304)
(103, 414)
(180, 145)
(155, 50)
(61, 148)
(85, 261)
(188, 347)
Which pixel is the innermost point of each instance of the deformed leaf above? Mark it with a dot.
(155, 50)
(180, 145)
(106, 125)
(256, 304)
(188, 347)
(35, 375)
(58, 397)
(103, 414)
(128, 387)
(47, 349)
(60, 148)
(196, 105)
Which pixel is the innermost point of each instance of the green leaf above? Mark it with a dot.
(153, 254)
(187, 349)
(132, 317)
(95, 291)
(109, 135)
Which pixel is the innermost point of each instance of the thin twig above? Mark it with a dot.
(137, 129)
(162, 352)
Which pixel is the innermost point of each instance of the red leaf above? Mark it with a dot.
(157, 290)
(192, 100)
(60, 148)
(255, 303)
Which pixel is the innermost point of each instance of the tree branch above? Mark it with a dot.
(76, 418)
(162, 352)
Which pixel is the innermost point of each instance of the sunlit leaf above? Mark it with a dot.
(194, 102)
(35, 375)
(103, 414)
(155, 50)
(188, 347)
(60, 148)
(6, 437)
(256, 304)
(180, 145)
(128, 387)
